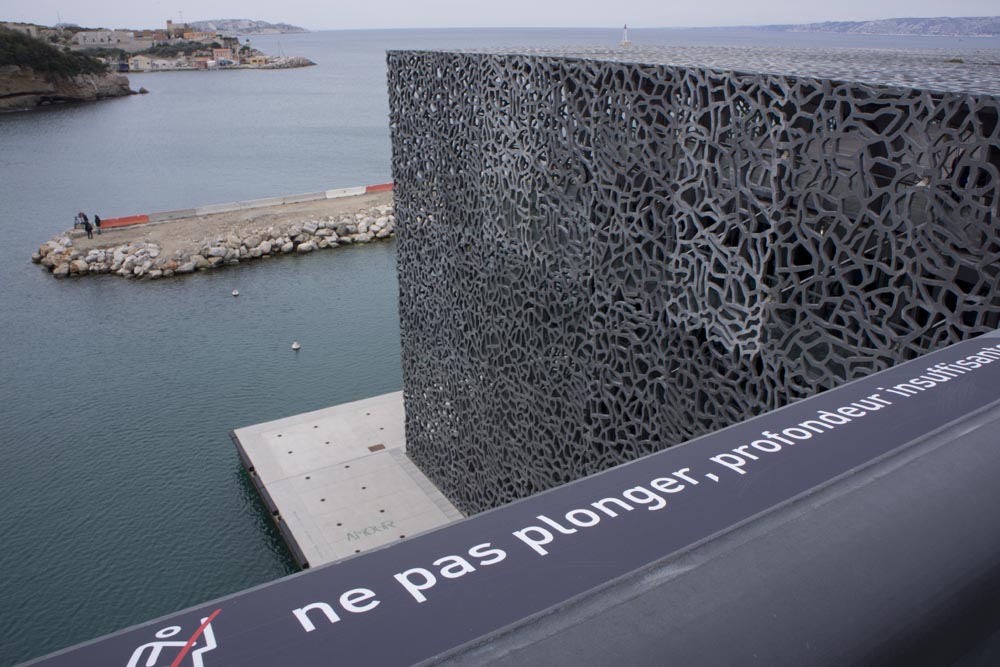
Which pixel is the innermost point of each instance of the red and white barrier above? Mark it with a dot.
(162, 216)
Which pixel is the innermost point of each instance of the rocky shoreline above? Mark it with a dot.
(22, 88)
(140, 259)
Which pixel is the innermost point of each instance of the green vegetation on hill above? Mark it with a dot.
(173, 50)
(16, 48)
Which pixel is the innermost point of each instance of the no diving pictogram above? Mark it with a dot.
(156, 653)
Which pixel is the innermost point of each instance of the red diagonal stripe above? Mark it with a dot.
(194, 638)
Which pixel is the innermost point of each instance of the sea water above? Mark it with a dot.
(122, 495)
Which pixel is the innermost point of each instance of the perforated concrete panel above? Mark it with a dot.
(603, 253)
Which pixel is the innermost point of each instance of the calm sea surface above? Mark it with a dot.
(122, 494)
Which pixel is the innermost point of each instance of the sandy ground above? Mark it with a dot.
(194, 233)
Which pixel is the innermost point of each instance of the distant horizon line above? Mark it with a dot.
(551, 27)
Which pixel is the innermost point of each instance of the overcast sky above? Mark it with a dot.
(470, 13)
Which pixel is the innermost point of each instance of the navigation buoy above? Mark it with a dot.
(296, 346)
(236, 292)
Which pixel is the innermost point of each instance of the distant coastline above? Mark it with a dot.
(204, 45)
(245, 27)
(942, 26)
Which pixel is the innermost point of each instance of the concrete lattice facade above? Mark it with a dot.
(605, 253)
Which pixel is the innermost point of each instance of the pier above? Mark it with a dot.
(338, 482)
(168, 243)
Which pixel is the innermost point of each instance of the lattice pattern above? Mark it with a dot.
(599, 259)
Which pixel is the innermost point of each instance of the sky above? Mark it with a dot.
(471, 13)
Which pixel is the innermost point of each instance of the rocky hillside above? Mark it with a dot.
(964, 26)
(244, 27)
(34, 73)
(23, 88)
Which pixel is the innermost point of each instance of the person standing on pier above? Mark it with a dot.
(97, 223)
(87, 227)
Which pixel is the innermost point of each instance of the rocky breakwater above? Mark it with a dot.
(287, 62)
(139, 259)
(24, 88)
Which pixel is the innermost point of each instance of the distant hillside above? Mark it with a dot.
(35, 73)
(18, 49)
(965, 26)
(244, 27)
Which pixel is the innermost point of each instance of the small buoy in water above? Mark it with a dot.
(295, 345)
(236, 292)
